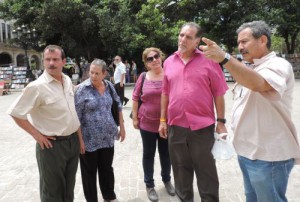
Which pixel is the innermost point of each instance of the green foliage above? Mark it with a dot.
(126, 27)
(285, 16)
(277, 44)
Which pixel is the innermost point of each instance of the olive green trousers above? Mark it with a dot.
(57, 168)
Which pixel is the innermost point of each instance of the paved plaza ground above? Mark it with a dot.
(19, 179)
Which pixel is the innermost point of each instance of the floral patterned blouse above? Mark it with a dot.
(98, 127)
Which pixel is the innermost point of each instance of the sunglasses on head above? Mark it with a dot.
(151, 59)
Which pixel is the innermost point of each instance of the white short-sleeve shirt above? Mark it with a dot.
(120, 69)
(261, 122)
(48, 105)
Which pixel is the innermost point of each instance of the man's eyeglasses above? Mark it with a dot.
(151, 59)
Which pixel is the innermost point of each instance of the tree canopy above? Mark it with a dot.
(105, 28)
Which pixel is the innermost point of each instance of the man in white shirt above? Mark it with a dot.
(53, 122)
(265, 137)
(119, 78)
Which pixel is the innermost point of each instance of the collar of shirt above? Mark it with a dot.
(120, 63)
(257, 62)
(88, 82)
(195, 53)
(50, 78)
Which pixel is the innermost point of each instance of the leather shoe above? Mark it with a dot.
(152, 195)
(125, 101)
(170, 189)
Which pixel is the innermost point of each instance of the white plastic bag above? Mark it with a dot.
(223, 148)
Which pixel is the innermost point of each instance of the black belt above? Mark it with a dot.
(65, 137)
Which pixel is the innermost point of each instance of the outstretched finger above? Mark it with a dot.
(207, 41)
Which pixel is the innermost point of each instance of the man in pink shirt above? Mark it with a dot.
(192, 86)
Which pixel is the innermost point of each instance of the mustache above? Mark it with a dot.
(52, 67)
(244, 51)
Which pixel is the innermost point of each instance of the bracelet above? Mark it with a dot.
(163, 120)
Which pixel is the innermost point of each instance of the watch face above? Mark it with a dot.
(227, 57)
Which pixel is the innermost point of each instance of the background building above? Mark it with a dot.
(12, 54)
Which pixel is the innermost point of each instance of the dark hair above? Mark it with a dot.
(195, 25)
(258, 28)
(119, 57)
(52, 48)
(100, 63)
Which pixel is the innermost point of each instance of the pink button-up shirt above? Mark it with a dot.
(191, 89)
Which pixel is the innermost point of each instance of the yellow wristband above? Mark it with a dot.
(163, 120)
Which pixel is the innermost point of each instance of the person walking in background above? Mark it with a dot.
(85, 72)
(119, 78)
(111, 72)
(190, 115)
(53, 122)
(265, 138)
(134, 71)
(147, 120)
(98, 131)
(128, 72)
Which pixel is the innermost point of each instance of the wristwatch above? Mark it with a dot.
(222, 120)
(226, 59)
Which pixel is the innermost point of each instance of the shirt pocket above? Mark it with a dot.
(52, 100)
(238, 92)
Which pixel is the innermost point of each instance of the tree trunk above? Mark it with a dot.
(293, 42)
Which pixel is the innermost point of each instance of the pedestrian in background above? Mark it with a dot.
(119, 78)
(53, 122)
(85, 71)
(111, 72)
(128, 71)
(265, 138)
(134, 71)
(192, 86)
(98, 131)
(147, 120)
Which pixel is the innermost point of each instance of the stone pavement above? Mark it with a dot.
(19, 173)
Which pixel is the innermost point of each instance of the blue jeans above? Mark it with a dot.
(149, 147)
(265, 181)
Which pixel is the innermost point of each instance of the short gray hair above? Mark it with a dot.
(100, 63)
(258, 28)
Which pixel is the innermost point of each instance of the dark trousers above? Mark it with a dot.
(149, 147)
(100, 160)
(120, 91)
(190, 151)
(57, 168)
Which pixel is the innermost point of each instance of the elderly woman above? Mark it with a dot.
(93, 102)
(147, 119)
